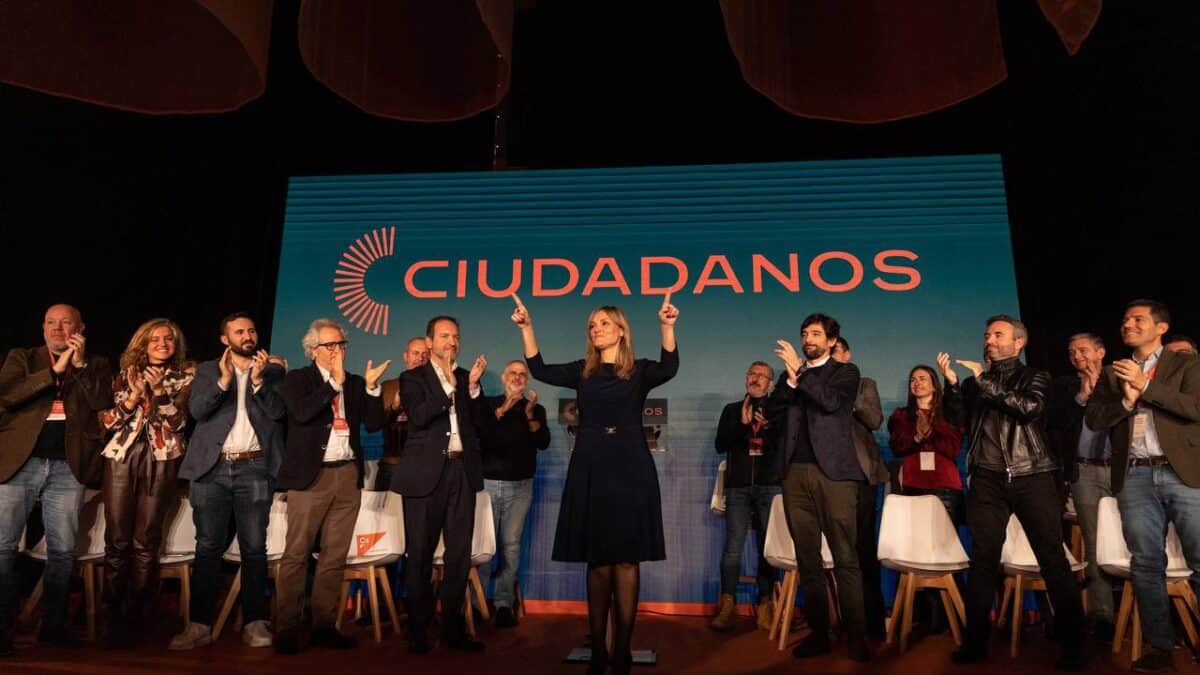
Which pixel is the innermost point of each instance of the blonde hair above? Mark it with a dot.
(135, 353)
(624, 362)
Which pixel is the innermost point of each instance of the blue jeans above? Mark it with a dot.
(1093, 485)
(741, 505)
(62, 497)
(242, 488)
(510, 505)
(1152, 496)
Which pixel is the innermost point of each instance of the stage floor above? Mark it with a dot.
(538, 645)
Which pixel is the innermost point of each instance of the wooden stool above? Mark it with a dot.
(376, 576)
(1179, 591)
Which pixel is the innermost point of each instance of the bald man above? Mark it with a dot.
(49, 448)
(416, 353)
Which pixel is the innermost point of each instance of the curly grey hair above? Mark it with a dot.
(310, 339)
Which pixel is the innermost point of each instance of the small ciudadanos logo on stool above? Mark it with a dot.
(349, 277)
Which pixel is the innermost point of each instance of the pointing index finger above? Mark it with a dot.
(516, 298)
(667, 299)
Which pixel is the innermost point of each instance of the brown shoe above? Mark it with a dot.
(766, 613)
(725, 614)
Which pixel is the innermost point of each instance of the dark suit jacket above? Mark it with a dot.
(1174, 399)
(868, 416)
(428, 409)
(215, 410)
(26, 393)
(309, 400)
(1064, 422)
(824, 400)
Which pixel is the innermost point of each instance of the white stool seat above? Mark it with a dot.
(717, 503)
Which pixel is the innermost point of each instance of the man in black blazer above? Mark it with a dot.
(322, 471)
(438, 475)
(1086, 457)
(821, 478)
(231, 461)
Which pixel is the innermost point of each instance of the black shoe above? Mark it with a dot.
(1104, 631)
(464, 643)
(1072, 658)
(622, 663)
(1155, 660)
(56, 636)
(287, 642)
(598, 663)
(860, 651)
(505, 617)
(6, 644)
(327, 636)
(419, 646)
(813, 645)
(118, 638)
(967, 655)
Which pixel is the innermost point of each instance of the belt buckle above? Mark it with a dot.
(611, 431)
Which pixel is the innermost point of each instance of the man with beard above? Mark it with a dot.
(232, 461)
(415, 354)
(1012, 470)
(511, 434)
(49, 448)
(438, 475)
(747, 439)
(1085, 458)
(814, 400)
(1150, 406)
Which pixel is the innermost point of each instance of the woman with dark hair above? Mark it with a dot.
(145, 443)
(928, 442)
(611, 513)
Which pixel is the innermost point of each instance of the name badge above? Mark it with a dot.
(340, 427)
(755, 446)
(927, 461)
(58, 413)
(1138, 434)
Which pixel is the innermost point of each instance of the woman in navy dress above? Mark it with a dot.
(611, 513)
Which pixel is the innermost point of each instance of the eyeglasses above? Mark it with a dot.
(331, 346)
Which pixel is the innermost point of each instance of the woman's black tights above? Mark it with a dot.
(612, 588)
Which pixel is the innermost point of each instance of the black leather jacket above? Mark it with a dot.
(1012, 397)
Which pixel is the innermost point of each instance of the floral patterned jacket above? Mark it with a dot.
(163, 418)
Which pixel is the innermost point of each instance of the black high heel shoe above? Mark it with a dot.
(599, 662)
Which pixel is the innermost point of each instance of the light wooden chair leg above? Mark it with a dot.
(1186, 619)
(1005, 599)
(789, 601)
(373, 593)
(31, 604)
(951, 615)
(468, 615)
(1123, 616)
(89, 597)
(231, 599)
(1135, 651)
(910, 593)
(518, 600)
(473, 583)
(337, 623)
(390, 602)
(777, 614)
(898, 608)
(185, 593)
(1018, 600)
(831, 602)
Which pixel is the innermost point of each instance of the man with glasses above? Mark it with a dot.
(747, 439)
(322, 471)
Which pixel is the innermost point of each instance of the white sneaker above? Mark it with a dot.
(195, 635)
(256, 634)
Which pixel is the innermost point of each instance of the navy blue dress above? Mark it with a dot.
(611, 508)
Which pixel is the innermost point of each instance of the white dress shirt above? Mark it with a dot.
(241, 437)
(455, 444)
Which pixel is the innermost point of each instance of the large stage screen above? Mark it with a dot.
(909, 254)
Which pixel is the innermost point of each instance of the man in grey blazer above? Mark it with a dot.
(868, 416)
(232, 460)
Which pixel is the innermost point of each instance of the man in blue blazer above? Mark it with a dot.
(231, 461)
(821, 477)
